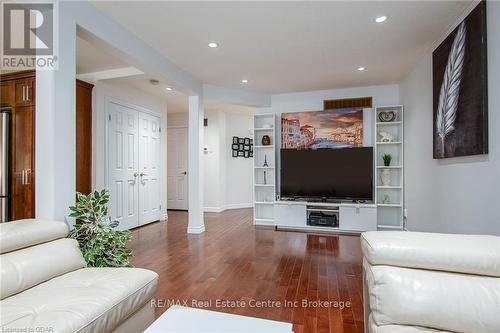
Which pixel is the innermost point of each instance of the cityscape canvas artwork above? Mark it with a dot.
(338, 128)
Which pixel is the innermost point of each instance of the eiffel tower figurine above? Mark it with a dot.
(265, 161)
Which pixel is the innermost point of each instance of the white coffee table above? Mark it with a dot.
(183, 319)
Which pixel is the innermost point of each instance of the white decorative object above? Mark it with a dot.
(385, 177)
(387, 199)
(385, 137)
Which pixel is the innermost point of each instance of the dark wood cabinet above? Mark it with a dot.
(6, 93)
(23, 163)
(83, 137)
(18, 92)
(24, 91)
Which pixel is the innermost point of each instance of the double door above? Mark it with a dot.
(133, 165)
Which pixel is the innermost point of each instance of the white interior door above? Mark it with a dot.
(123, 165)
(149, 168)
(177, 161)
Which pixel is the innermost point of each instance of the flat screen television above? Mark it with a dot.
(338, 174)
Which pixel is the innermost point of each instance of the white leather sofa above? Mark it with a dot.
(424, 282)
(46, 287)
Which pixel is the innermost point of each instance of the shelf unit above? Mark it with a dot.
(264, 186)
(390, 215)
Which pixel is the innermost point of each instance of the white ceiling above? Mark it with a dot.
(289, 46)
(90, 58)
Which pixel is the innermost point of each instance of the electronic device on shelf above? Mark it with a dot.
(323, 219)
(327, 174)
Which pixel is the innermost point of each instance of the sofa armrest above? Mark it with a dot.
(471, 254)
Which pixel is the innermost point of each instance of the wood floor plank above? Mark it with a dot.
(234, 261)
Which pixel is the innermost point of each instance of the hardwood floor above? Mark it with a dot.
(234, 261)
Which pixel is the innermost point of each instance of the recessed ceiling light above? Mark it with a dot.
(244, 81)
(381, 19)
(361, 69)
(213, 45)
(168, 88)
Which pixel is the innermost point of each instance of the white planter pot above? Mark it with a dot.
(385, 177)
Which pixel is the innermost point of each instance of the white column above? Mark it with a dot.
(195, 168)
(55, 133)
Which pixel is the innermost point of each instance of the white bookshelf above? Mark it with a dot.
(264, 191)
(390, 215)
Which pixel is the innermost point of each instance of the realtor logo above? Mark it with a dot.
(28, 36)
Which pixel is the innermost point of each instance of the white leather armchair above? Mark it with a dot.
(425, 282)
(46, 287)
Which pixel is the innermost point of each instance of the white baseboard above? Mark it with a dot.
(227, 207)
(213, 209)
(196, 230)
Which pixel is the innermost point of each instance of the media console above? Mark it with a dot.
(347, 217)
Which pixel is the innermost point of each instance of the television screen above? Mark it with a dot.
(344, 173)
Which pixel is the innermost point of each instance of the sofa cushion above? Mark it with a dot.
(440, 300)
(85, 300)
(373, 328)
(432, 251)
(23, 233)
(25, 268)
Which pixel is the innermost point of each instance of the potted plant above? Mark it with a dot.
(102, 245)
(387, 159)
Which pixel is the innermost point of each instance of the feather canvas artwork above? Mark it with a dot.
(460, 89)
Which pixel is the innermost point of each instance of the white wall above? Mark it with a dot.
(456, 195)
(239, 170)
(177, 119)
(130, 95)
(228, 181)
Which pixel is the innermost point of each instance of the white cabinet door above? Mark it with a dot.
(177, 161)
(123, 164)
(358, 217)
(290, 215)
(149, 168)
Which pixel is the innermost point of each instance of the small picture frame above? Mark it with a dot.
(246, 147)
(240, 153)
(250, 153)
(241, 140)
(251, 141)
(247, 141)
(235, 139)
(246, 154)
(234, 146)
(235, 153)
(240, 146)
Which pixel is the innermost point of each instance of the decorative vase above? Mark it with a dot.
(266, 140)
(385, 177)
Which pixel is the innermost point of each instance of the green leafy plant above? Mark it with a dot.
(387, 159)
(102, 245)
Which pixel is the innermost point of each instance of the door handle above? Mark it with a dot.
(136, 174)
(24, 93)
(27, 93)
(185, 173)
(142, 174)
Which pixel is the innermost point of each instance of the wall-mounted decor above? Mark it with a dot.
(242, 147)
(322, 129)
(460, 89)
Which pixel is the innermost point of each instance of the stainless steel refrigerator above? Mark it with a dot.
(5, 113)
